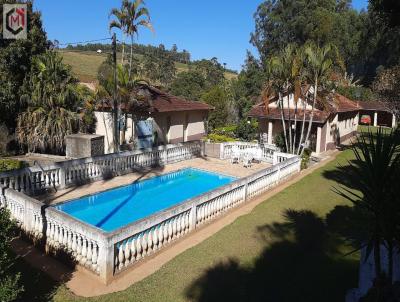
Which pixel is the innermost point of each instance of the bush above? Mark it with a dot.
(216, 138)
(305, 158)
(247, 130)
(279, 141)
(227, 131)
(11, 164)
(9, 287)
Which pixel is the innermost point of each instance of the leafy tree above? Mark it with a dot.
(15, 64)
(217, 98)
(120, 22)
(388, 10)
(129, 18)
(159, 69)
(9, 280)
(374, 173)
(387, 86)
(189, 84)
(52, 102)
(211, 70)
(281, 22)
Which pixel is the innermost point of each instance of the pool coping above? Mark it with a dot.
(155, 214)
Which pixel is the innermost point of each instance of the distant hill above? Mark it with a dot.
(86, 63)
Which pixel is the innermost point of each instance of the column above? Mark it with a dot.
(375, 119)
(318, 147)
(270, 126)
(394, 121)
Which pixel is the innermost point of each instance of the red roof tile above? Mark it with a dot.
(155, 100)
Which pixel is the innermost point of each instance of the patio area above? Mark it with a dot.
(205, 163)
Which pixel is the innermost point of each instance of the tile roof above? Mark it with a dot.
(165, 102)
(155, 100)
(373, 105)
(275, 113)
(337, 104)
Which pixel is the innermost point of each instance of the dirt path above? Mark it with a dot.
(83, 283)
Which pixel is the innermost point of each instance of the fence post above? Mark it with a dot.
(106, 260)
(62, 177)
(221, 151)
(245, 190)
(193, 218)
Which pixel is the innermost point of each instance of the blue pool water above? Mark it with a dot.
(110, 210)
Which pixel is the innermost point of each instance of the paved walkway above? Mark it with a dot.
(209, 164)
(83, 283)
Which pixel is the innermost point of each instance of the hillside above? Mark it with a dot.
(86, 63)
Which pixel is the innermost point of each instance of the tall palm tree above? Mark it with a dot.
(319, 67)
(137, 15)
(374, 173)
(127, 89)
(120, 22)
(52, 105)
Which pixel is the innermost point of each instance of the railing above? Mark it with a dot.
(78, 171)
(108, 254)
(267, 151)
(147, 236)
(279, 157)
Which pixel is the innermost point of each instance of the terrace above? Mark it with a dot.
(28, 192)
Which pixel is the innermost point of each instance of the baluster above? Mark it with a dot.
(155, 239)
(127, 253)
(138, 248)
(144, 244)
(121, 257)
(94, 256)
(88, 263)
(84, 251)
(170, 222)
(160, 235)
(149, 241)
(133, 249)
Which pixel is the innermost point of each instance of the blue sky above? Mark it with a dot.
(207, 28)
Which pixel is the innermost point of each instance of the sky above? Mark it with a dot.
(207, 28)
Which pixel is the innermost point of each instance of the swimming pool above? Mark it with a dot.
(115, 208)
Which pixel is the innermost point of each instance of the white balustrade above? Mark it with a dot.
(108, 253)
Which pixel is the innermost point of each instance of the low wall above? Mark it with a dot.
(78, 171)
(225, 150)
(108, 254)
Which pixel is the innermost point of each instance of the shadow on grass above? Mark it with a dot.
(302, 262)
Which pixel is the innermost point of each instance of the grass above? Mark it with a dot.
(86, 63)
(260, 256)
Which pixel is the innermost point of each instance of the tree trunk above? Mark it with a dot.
(290, 125)
(283, 120)
(295, 128)
(131, 58)
(312, 114)
(123, 51)
(303, 125)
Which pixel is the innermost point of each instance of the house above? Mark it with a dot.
(167, 119)
(334, 121)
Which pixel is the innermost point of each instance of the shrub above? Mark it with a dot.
(216, 138)
(305, 158)
(11, 164)
(227, 131)
(279, 141)
(9, 287)
(247, 130)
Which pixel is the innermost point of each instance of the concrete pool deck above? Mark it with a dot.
(209, 164)
(82, 283)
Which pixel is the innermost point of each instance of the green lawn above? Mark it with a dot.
(260, 256)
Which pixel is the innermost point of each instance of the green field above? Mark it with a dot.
(86, 63)
(257, 256)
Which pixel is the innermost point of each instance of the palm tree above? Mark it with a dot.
(126, 92)
(52, 104)
(120, 22)
(285, 77)
(374, 173)
(136, 16)
(319, 67)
